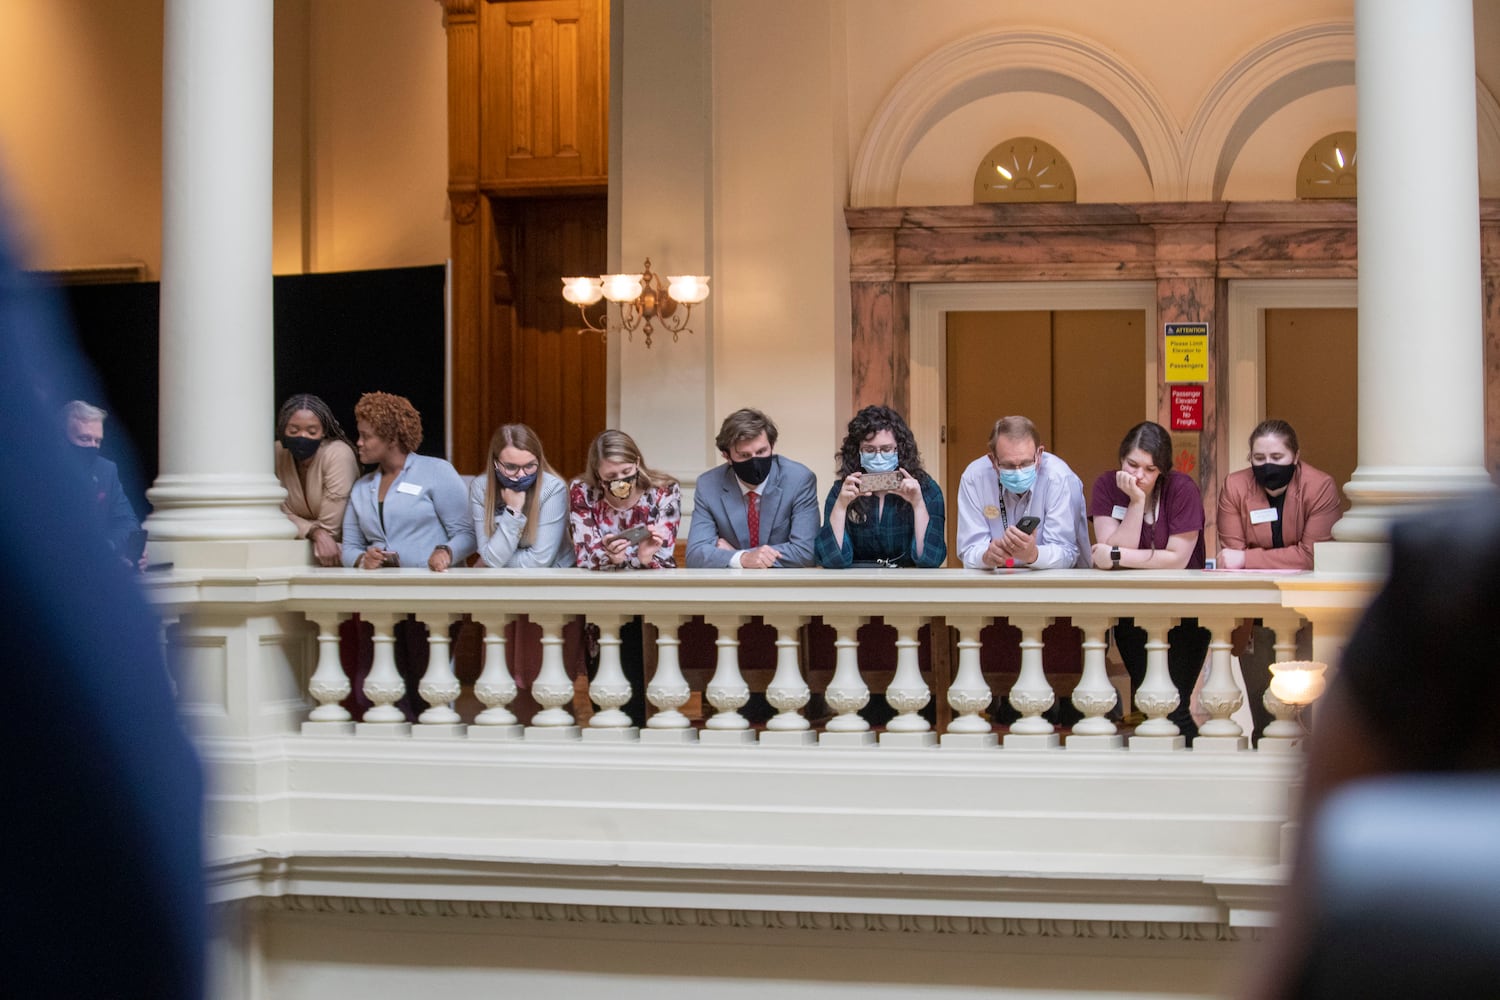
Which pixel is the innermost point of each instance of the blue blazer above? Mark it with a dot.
(788, 515)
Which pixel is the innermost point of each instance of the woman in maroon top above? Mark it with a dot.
(1146, 516)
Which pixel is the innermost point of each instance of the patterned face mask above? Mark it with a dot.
(620, 488)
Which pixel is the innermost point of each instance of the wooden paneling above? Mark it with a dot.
(1095, 386)
(544, 98)
(1312, 382)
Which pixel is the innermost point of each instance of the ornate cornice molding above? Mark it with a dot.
(774, 920)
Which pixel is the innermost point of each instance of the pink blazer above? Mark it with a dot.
(1312, 506)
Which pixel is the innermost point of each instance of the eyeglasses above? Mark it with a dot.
(518, 470)
(884, 449)
(1016, 467)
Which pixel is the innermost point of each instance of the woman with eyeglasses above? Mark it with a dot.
(624, 515)
(899, 523)
(520, 509)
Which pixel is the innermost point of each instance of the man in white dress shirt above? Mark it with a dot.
(1016, 480)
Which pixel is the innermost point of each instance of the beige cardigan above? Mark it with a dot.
(330, 476)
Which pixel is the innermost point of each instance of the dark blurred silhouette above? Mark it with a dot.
(1396, 889)
(103, 890)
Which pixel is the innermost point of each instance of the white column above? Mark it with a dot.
(907, 692)
(329, 685)
(439, 686)
(847, 691)
(1031, 695)
(668, 690)
(969, 694)
(496, 688)
(383, 684)
(1095, 695)
(1421, 345)
(1220, 695)
(1157, 695)
(727, 691)
(216, 483)
(610, 689)
(553, 688)
(788, 692)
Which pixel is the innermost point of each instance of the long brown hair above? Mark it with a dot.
(617, 446)
(523, 438)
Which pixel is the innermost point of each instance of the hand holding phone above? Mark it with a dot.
(633, 536)
(872, 482)
(1028, 523)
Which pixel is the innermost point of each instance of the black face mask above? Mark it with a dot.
(302, 448)
(1271, 476)
(753, 471)
(84, 454)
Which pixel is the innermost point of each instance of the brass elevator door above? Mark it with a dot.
(1078, 374)
(1312, 382)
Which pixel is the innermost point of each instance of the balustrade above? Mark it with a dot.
(958, 607)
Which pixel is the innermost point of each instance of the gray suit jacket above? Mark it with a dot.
(788, 515)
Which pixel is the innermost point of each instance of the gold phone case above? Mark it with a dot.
(872, 481)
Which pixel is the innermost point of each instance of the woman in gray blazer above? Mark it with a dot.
(520, 509)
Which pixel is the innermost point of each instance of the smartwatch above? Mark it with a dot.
(1114, 557)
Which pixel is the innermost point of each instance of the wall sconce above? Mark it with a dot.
(1294, 684)
(641, 299)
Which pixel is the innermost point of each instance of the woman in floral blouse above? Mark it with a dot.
(623, 514)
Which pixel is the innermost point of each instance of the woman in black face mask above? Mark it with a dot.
(316, 465)
(1270, 517)
(520, 509)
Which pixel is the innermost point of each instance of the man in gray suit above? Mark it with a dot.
(756, 511)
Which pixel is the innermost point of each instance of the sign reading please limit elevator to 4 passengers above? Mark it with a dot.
(1186, 354)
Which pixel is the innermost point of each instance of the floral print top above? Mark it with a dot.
(593, 520)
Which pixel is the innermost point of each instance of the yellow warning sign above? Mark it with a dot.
(1186, 353)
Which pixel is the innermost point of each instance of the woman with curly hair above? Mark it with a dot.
(315, 464)
(412, 509)
(624, 515)
(900, 525)
(520, 511)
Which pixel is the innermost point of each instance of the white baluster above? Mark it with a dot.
(969, 694)
(727, 691)
(439, 686)
(1031, 695)
(1157, 695)
(908, 693)
(788, 693)
(847, 692)
(610, 689)
(1220, 695)
(668, 690)
(328, 685)
(496, 688)
(553, 688)
(383, 684)
(1285, 734)
(1095, 695)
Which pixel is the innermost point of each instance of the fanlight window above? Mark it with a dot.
(1024, 169)
(1330, 169)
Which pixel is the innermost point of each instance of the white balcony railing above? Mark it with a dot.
(715, 812)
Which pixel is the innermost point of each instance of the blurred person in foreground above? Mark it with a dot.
(1396, 885)
(103, 793)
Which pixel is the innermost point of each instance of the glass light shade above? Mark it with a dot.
(582, 291)
(1298, 682)
(621, 287)
(689, 289)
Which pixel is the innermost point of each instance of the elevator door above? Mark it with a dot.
(1312, 383)
(1078, 375)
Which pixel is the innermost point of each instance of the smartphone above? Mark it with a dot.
(870, 482)
(135, 546)
(1028, 523)
(634, 536)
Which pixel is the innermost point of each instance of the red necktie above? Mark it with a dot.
(753, 499)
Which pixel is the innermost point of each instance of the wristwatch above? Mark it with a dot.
(1114, 557)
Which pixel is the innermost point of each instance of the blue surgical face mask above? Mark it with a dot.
(879, 461)
(1018, 481)
(520, 484)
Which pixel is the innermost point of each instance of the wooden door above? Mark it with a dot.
(1312, 382)
(1077, 374)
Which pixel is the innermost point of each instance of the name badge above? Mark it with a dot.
(1264, 515)
(991, 512)
(410, 488)
(1119, 512)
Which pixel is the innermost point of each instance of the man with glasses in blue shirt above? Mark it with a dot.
(1017, 486)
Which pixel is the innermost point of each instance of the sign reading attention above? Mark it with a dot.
(1186, 354)
(1187, 407)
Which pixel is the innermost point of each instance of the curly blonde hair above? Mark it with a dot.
(391, 418)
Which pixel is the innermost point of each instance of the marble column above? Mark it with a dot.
(1421, 346)
(216, 498)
